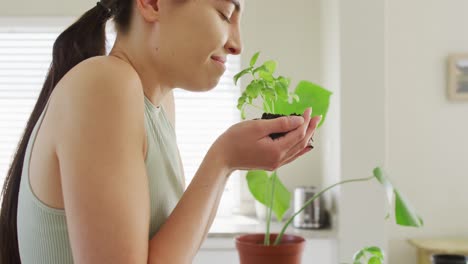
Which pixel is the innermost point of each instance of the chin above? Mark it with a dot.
(202, 86)
(205, 88)
(196, 89)
(211, 86)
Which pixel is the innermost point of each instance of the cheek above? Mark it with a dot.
(208, 33)
(218, 33)
(201, 32)
(185, 50)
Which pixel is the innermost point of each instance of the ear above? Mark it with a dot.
(149, 9)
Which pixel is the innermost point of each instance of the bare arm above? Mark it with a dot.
(181, 235)
(169, 105)
(189, 223)
(212, 216)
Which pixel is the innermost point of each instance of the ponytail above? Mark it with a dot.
(84, 39)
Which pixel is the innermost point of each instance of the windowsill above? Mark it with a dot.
(232, 226)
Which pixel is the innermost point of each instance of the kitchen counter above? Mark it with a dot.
(230, 227)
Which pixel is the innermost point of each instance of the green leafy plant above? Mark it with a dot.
(268, 188)
(275, 95)
(373, 255)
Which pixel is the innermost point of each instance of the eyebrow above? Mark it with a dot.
(236, 4)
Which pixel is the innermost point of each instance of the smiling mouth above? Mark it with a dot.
(220, 63)
(219, 59)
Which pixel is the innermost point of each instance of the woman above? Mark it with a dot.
(97, 177)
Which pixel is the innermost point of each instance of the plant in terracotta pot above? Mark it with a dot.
(267, 188)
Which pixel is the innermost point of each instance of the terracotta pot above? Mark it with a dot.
(252, 251)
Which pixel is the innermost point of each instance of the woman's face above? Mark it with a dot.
(192, 36)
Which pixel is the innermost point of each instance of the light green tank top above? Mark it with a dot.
(42, 230)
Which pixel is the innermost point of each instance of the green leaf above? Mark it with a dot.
(257, 180)
(270, 66)
(310, 95)
(281, 91)
(358, 255)
(262, 83)
(379, 174)
(284, 81)
(253, 90)
(259, 68)
(388, 187)
(266, 106)
(295, 97)
(241, 102)
(240, 74)
(269, 94)
(260, 186)
(375, 260)
(254, 58)
(243, 113)
(374, 254)
(266, 67)
(375, 251)
(266, 76)
(405, 215)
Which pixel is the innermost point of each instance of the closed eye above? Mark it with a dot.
(224, 17)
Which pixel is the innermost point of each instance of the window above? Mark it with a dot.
(25, 55)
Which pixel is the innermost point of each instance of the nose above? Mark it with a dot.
(234, 42)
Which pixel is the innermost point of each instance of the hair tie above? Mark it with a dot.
(107, 9)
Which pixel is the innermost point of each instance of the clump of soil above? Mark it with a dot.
(273, 116)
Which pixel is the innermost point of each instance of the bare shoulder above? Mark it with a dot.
(104, 81)
(102, 88)
(102, 74)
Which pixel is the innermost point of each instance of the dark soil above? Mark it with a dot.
(273, 116)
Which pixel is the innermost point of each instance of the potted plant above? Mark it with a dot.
(267, 188)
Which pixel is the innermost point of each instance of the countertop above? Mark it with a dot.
(232, 226)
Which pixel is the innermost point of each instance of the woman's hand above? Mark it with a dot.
(247, 145)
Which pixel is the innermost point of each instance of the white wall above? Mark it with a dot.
(362, 67)
(402, 47)
(427, 133)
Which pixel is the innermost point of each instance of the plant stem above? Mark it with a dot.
(280, 235)
(256, 106)
(272, 106)
(267, 108)
(266, 241)
(253, 75)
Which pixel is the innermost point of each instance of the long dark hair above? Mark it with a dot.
(83, 39)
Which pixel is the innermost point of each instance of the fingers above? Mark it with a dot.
(292, 138)
(303, 143)
(302, 152)
(279, 125)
